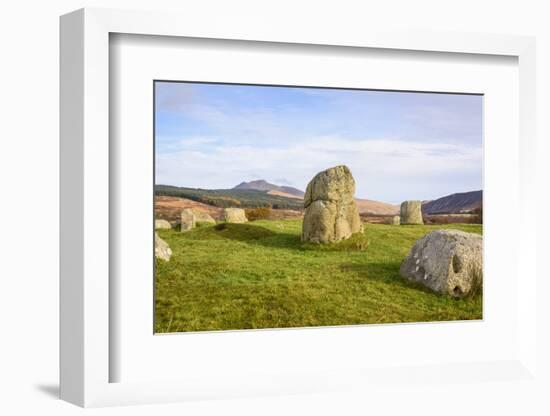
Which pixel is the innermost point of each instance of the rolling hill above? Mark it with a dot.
(243, 198)
(286, 195)
(365, 206)
(464, 202)
(261, 193)
(368, 206)
(169, 208)
(261, 185)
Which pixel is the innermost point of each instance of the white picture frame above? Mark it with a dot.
(85, 210)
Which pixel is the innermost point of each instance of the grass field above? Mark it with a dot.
(260, 275)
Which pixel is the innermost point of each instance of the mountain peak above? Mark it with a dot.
(259, 185)
(263, 185)
(260, 182)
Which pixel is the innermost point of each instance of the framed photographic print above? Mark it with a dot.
(281, 207)
(274, 212)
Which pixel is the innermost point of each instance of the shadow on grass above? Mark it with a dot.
(246, 233)
(260, 235)
(387, 272)
(238, 232)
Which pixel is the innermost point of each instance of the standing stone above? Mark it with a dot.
(396, 220)
(234, 215)
(201, 216)
(187, 220)
(411, 212)
(162, 250)
(162, 224)
(330, 211)
(447, 261)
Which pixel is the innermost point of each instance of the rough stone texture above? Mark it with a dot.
(447, 261)
(162, 250)
(330, 211)
(187, 219)
(234, 215)
(159, 224)
(411, 212)
(201, 216)
(396, 220)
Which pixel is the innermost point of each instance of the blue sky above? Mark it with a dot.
(398, 145)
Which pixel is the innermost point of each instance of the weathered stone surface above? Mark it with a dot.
(159, 224)
(201, 216)
(334, 184)
(411, 212)
(330, 211)
(234, 215)
(447, 261)
(187, 220)
(162, 250)
(396, 220)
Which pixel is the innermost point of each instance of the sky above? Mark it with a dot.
(398, 145)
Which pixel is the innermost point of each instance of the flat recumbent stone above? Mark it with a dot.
(447, 261)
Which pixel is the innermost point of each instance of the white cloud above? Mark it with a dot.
(385, 169)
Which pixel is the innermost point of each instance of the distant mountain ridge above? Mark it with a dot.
(463, 202)
(263, 185)
(260, 193)
(244, 198)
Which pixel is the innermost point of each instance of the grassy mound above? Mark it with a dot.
(260, 275)
(239, 232)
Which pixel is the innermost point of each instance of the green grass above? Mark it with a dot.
(260, 275)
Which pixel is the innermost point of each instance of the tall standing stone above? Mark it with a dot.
(187, 219)
(411, 212)
(330, 211)
(234, 215)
